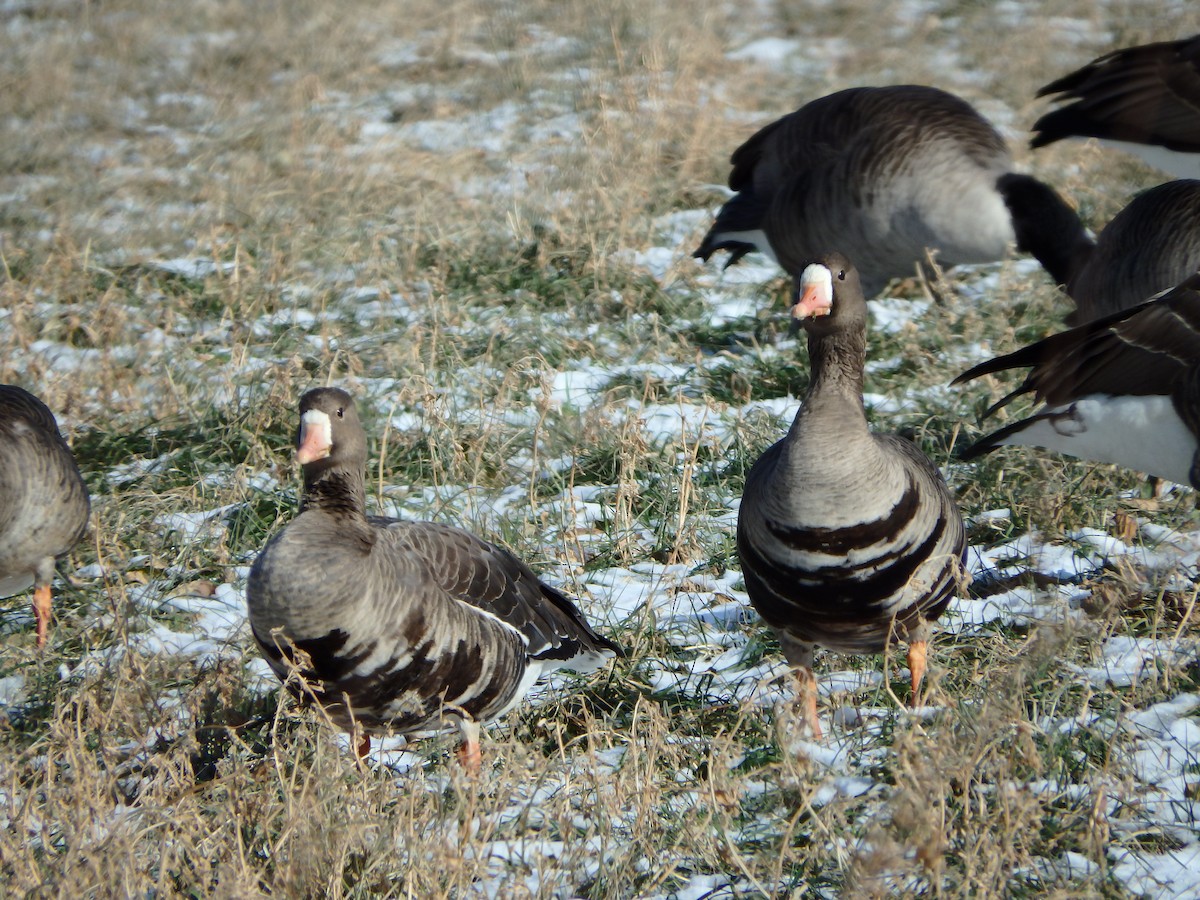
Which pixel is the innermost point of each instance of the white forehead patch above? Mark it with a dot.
(316, 421)
(818, 276)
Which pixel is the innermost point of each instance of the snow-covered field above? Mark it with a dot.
(479, 219)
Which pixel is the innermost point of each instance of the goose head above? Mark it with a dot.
(330, 434)
(829, 295)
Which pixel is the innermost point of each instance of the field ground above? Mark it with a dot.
(478, 217)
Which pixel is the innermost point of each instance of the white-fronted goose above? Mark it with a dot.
(401, 626)
(884, 173)
(1123, 389)
(1150, 246)
(43, 500)
(1144, 100)
(848, 539)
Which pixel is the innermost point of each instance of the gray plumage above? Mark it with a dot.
(400, 625)
(43, 501)
(884, 173)
(1145, 100)
(1150, 246)
(847, 539)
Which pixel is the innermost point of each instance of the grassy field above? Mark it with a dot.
(478, 218)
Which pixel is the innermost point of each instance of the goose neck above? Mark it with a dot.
(334, 490)
(837, 360)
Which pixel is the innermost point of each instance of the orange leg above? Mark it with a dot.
(917, 652)
(806, 684)
(799, 655)
(470, 756)
(363, 747)
(41, 612)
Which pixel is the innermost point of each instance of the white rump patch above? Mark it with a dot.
(1143, 433)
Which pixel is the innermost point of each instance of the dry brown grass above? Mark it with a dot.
(286, 144)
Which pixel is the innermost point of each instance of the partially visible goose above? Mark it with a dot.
(1123, 389)
(401, 626)
(1144, 100)
(884, 173)
(847, 539)
(43, 500)
(1150, 246)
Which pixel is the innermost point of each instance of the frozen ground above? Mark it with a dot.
(1022, 583)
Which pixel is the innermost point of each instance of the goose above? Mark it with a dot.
(44, 503)
(1148, 247)
(395, 625)
(883, 173)
(1122, 389)
(1143, 100)
(848, 539)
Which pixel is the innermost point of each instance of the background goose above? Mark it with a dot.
(1123, 389)
(43, 501)
(1145, 100)
(1150, 246)
(847, 539)
(881, 172)
(397, 626)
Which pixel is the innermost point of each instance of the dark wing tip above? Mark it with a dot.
(584, 636)
(1066, 122)
(1042, 139)
(737, 249)
(987, 367)
(1065, 83)
(974, 451)
(1000, 436)
(1005, 400)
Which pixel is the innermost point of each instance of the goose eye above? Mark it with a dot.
(340, 411)
(841, 274)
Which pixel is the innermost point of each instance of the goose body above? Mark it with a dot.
(848, 539)
(1121, 389)
(43, 501)
(401, 626)
(1144, 100)
(884, 173)
(1148, 247)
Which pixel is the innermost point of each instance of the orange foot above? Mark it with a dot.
(806, 684)
(41, 612)
(917, 654)
(469, 754)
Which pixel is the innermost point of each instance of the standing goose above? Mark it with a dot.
(1123, 389)
(394, 625)
(1144, 100)
(43, 500)
(1150, 246)
(885, 173)
(847, 539)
